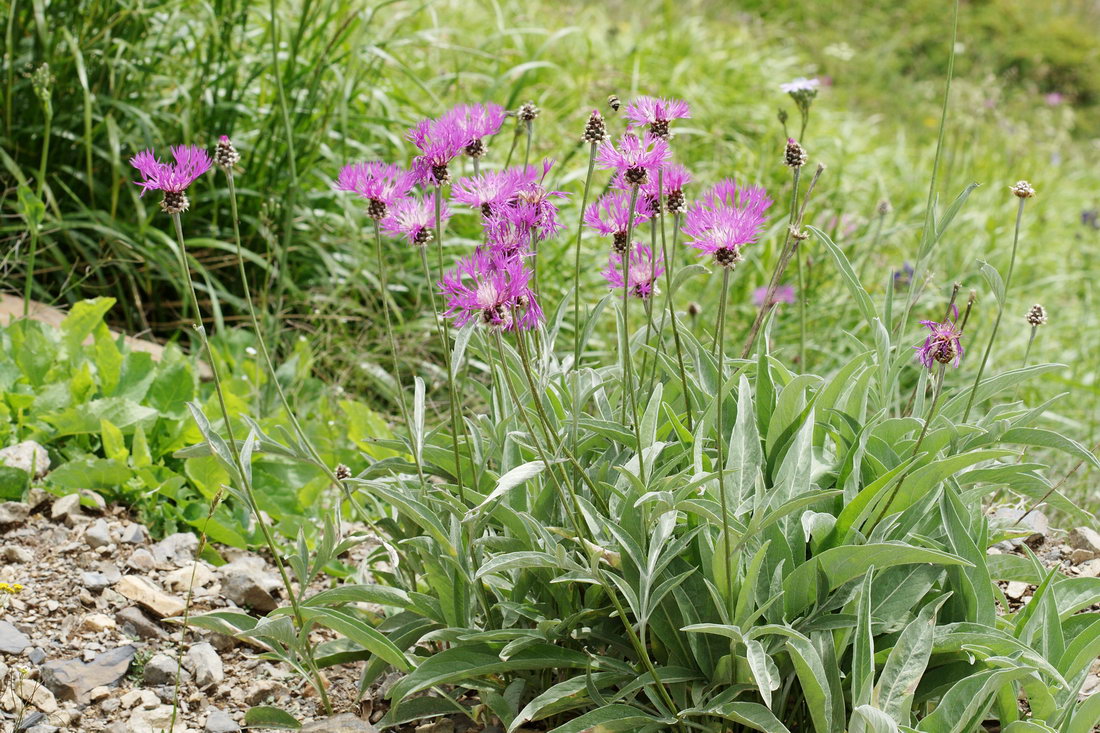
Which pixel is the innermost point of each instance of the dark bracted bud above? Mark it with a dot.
(728, 257)
(225, 155)
(595, 131)
(637, 176)
(618, 242)
(676, 202)
(423, 237)
(441, 175)
(795, 155)
(476, 148)
(342, 472)
(527, 112)
(1037, 316)
(376, 209)
(1022, 189)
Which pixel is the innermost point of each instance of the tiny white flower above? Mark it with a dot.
(801, 84)
(250, 351)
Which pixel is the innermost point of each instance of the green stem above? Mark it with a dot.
(530, 127)
(250, 496)
(672, 312)
(40, 186)
(577, 260)
(720, 438)
(1000, 312)
(628, 362)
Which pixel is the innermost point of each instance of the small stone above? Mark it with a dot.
(97, 534)
(27, 456)
(143, 592)
(135, 534)
(155, 720)
(110, 572)
(265, 690)
(99, 693)
(176, 549)
(97, 623)
(245, 586)
(133, 622)
(1016, 590)
(443, 725)
(66, 509)
(110, 705)
(159, 670)
(15, 554)
(218, 721)
(1085, 539)
(72, 679)
(181, 580)
(12, 640)
(203, 662)
(141, 559)
(42, 728)
(36, 655)
(345, 723)
(34, 693)
(1015, 520)
(93, 501)
(1089, 569)
(130, 699)
(94, 581)
(13, 512)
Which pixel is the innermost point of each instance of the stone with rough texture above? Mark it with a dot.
(155, 720)
(263, 691)
(27, 456)
(13, 553)
(12, 640)
(97, 535)
(1086, 539)
(66, 508)
(135, 534)
(142, 591)
(141, 559)
(203, 662)
(94, 581)
(218, 721)
(1090, 569)
(345, 723)
(132, 621)
(159, 670)
(181, 580)
(34, 693)
(97, 622)
(176, 549)
(13, 512)
(72, 679)
(246, 587)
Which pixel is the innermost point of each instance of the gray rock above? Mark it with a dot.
(110, 572)
(1086, 540)
(12, 640)
(36, 655)
(345, 723)
(135, 534)
(133, 622)
(93, 581)
(141, 559)
(72, 679)
(42, 728)
(14, 553)
(31, 720)
(203, 662)
(246, 587)
(97, 535)
(218, 721)
(263, 691)
(176, 549)
(93, 501)
(27, 456)
(13, 512)
(159, 670)
(66, 509)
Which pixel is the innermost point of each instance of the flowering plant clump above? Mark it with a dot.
(172, 179)
(492, 289)
(381, 184)
(636, 158)
(413, 217)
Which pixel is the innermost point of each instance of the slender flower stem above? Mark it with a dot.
(798, 266)
(40, 187)
(938, 390)
(249, 494)
(628, 362)
(530, 127)
(577, 260)
(672, 312)
(720, 439)
(1000, 312)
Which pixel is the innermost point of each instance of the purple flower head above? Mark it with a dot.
(493, 290)
(438, 141)
(944, 342)
(672, 178)
(532, 206)
(635, 158)
(643, 271)
(381, 184)
(728, 218)
(610, 216)
(475, 121)
(173, 179)
(505, 237)
(656, 113)
(486, 192)
(782, 294)
(903, 277)
(413, 218)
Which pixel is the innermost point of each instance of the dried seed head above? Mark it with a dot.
(795, 155)
(1037, 316)
(527, 112)
(676, 202)
(884, 207)
(797, 234)
(225, 155)
(728, 257)
(694, 309)
(1023, 190)
(476, 148)
(175, 202)
(595, 131)
(342, 472)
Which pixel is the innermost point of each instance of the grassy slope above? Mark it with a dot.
(353, 80)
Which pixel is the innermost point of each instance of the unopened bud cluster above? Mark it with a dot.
(1037, 316)
(595, 131)
(795, 155)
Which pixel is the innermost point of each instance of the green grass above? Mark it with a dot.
(347, 80)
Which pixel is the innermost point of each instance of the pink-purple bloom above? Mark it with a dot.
(610, 216)
(413, 218)
(633, 157)
(727, 219)
(533, 207)
(173, 179)
(944, 342)
(657, 113)
(782, 294)
(438, 141)
(381, 184)
(642, 273)
(474, 122)
(487, 192)
(493, 289)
